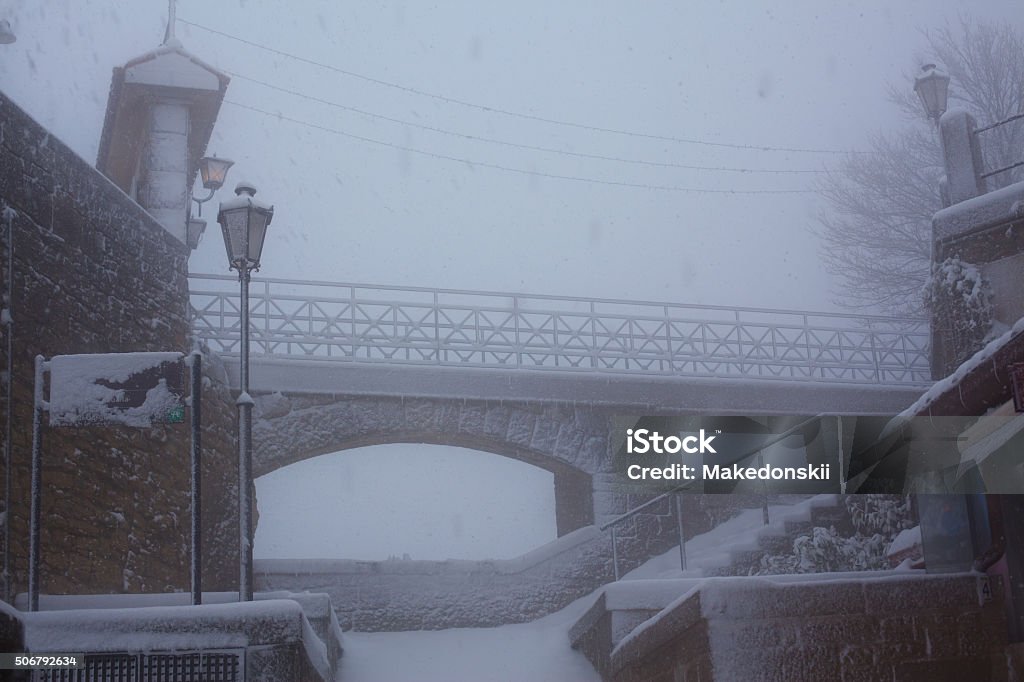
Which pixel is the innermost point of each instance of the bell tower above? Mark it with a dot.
(160, 115)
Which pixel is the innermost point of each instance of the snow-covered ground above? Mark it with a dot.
(534, 651)
(540, 650)
(528, 652)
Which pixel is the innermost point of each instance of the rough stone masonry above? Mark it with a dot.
(93, 272)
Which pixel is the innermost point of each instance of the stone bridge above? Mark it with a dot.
(536, 378)
(541, 380)
(572, 442)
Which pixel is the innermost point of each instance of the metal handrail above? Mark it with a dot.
(997, 171)
(636, 510)
(551, 297)
(1008, 119)
(365, 323)
(1013, 164)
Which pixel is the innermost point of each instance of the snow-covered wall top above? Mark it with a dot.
(988, 210)
(165, 627)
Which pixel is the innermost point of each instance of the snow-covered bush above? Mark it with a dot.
(825, 551)
(961, 303)
(876, 519)
(880, 514)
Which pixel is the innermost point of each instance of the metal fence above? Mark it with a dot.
(1008, 137)
(188, 666)
(448, 327)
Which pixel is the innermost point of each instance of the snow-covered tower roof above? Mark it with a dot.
(160, 115)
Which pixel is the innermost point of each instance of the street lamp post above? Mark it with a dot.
(932, 87)
(243, 221)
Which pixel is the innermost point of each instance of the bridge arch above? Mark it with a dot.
(569, 442)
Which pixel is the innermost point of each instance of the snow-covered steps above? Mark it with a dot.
(820, 511)
(736, 545)
(407, 595)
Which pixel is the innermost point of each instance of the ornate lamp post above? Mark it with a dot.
(932, 86)
(244, 221)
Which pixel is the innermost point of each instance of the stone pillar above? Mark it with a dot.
(574, 501)
(962, 156)
(944, 193)
(163, 172)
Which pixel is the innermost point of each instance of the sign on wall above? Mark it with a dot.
(130, 389)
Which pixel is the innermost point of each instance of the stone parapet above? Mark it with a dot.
(271, 640)
(897, 626)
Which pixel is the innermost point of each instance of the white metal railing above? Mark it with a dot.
(448, 327)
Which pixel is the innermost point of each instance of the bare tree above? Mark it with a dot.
(876, 233)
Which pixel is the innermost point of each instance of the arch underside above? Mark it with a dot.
(539, 437)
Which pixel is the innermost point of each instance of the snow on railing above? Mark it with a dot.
(449, 327)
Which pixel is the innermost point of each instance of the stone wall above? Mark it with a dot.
(94, 273)
(432, 595)
(401, 595)
(272, 639)
(220, 479)
(898, 627)
(988, 233)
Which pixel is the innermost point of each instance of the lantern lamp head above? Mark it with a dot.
(214, 171)
(932, 86)
(243, 221)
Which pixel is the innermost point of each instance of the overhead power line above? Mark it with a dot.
(510, 169)
(517, 114)
(517, 145)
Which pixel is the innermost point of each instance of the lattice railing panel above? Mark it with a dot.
(359, 323)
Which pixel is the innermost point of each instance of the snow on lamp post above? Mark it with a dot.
(244, 221)
(932, 86)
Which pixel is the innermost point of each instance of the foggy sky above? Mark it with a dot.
(795, 74)
(424, 501)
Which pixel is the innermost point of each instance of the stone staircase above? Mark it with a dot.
(736, 546)
(391, 596)
(778, 536)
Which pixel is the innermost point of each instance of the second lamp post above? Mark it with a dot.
(244, 221)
